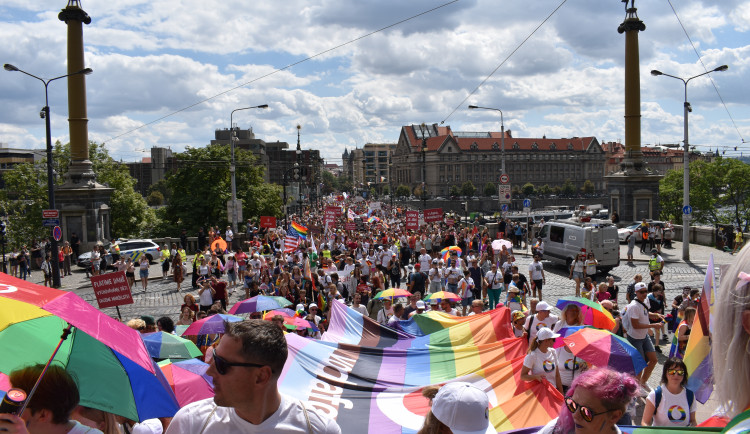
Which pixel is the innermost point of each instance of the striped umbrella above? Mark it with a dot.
(593, 313)
(602, 348)
(392, 293)
(443, 295)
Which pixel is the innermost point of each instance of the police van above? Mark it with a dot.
(564, 239)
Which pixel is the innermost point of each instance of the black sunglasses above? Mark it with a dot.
(587, 414)
(222, 365)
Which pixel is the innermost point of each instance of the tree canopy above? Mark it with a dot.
(719, 192)
(201, 188)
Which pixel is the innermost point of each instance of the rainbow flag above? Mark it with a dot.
(300, 229)
(698, 351)
(629, 429)
(434, 329)
(377, 389)
(321, 301)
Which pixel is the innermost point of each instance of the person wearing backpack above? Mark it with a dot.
(671, 404)
(637, 322)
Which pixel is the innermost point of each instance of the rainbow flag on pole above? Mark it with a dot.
(698, 351)
(300, 229)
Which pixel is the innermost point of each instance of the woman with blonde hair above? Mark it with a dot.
(731, 343)
(571, 316)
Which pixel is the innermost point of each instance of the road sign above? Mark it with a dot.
(504, 207)
(687, 209)
(50, 214)
(527, 210)
(57, 233)
(504, 178)
(503, 191)
(527, 203)
(50, 222)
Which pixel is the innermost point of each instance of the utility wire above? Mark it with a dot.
(700, 59)
(284, 68)
(502, 63)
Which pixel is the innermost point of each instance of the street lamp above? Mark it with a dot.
(45, 113)
(232, 168)
(502, 135)
(686, 163)
(423, 128)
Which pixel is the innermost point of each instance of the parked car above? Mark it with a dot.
(624, 233)
(84, 259)
(136, 249)
(563, 240)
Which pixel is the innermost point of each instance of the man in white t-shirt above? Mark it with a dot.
(536, 274)
(542, 319)
(245, 369)
(640, 321)
(424, 259)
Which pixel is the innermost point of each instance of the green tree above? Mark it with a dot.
(386, 189)
(455, 190)
(588, 187)
(568, 187)
(544, 190)
(722, 184)
(330, 183)
(402, 191)
(490, 189)
(22, 201)
(345, 184)
(528, 189)
(162, 188)
(468, 188)
(155, 198)
(201, 188)
(556, 190)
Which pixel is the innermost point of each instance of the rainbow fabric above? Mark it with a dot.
(376, 388)
(698, 351)
(627, 429)
(300, 229)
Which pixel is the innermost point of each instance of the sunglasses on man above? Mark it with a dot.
(223, 365)
(586, 413)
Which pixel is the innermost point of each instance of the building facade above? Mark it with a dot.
(370, 166)
(11, 157)
(153, 169)
(441, 158)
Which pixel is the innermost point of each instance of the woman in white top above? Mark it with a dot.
(571, 316)
(591, 264)
(143, 271)
(541, 361)
(676, 404)
(576, 272)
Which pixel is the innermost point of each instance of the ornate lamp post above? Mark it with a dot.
(232, 168)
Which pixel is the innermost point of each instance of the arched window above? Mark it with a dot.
(570, 146)
(474, 146)
(535, 146)
(495, 146)
(552, 146)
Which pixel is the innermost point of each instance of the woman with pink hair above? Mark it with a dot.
(596, 400)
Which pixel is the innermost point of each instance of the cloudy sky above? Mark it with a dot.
(180, 67)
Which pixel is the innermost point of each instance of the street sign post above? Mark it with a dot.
(503, 191)
(52, 222)
(687, 209)
(504, 178)
(527, 203)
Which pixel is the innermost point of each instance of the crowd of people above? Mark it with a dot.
(322, 262)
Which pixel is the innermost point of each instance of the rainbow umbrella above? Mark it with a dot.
(259, 303)
(446, 252)
(210, 325)
(602, 348)
(593, 313)
(564, 333)
(188, 380)
(162, 345)
(285, 312)
(392, 293)
(442, 295)
(373, 219)
(114, 370)
(220, 243)
(297, 322)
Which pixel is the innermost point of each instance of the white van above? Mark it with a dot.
(564, 239)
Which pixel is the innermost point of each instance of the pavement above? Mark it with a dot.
(162, 298)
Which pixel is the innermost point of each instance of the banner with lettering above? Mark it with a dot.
(433, 215)
(111, 289)
(412, 220)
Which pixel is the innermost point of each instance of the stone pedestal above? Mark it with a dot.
(86, 212)
(634, 196)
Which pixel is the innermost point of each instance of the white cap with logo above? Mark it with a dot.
(463, 408)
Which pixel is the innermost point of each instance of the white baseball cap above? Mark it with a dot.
(542, 305)
(546, 333)
(639, 286)
(463, 408)
(420, 304)
(313, 305)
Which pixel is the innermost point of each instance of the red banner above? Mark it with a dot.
(350, 226)
(267, 222)
(331, 214)
(450, 221)
(111, 289)
(412, 220)
(433, 215)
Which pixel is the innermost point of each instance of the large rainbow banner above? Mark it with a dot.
(377, 388)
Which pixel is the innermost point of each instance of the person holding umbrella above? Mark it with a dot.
(541, 361)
